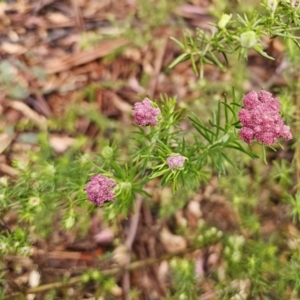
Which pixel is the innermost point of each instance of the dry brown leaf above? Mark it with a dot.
(21, 7)
(121, 255)
(8, 170)
(93, 7)
(105, 236)
(5, 141)
(33, 21)
(116, 291)
(61, 143)
(11, 48)
(135, 85)
(171, 242)
(13, 36)
(34, 278)
(37, 119)
(3, 8)
(163, 273)
(57, 18)
(121, 104)
(187, 10)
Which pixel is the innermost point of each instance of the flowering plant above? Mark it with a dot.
(172, 146)
(160, 139)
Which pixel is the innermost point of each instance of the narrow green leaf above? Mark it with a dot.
(233, 95)
(207, 60)
(264, 154)
(199, 123)
(177, 42)
(262, 52)
(194, 65)
(225, 111)
(215, 145)
(216, 126)
(157, 174)
(216, 61)
(228, 107)
(229, 161)
(297, 43)
(238, 147)
(180, 58)
(201, 67)
(202, 133)
(226, 58)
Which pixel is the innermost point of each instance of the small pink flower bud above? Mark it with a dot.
(267, 138)
(250, 100)
(145, 114)
(246, 134)
(286, 132)
(100, 189)
(264, 96)
(245, 117)
(175, 161)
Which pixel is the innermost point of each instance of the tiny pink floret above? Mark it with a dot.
(145, 114)
(261, 119)
(247, 134)
(100, 189)
(175, 161)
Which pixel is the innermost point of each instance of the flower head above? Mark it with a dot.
(145, 114)
(175, 161)
(261, 119)
(100, 189)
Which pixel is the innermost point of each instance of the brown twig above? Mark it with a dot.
(134, 223)
(37, 119)
(157, 67)
(74, 60)
(8, 170)
(129, 241)
(78, 16)
(297, 130)
(110, 272)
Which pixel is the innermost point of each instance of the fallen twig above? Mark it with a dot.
(70, 61)
(129, 241)
(110, 272)
(37, 119)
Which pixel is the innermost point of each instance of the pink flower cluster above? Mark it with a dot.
(100, 189)
(145, 114)
(261, 119)
(175, 161)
